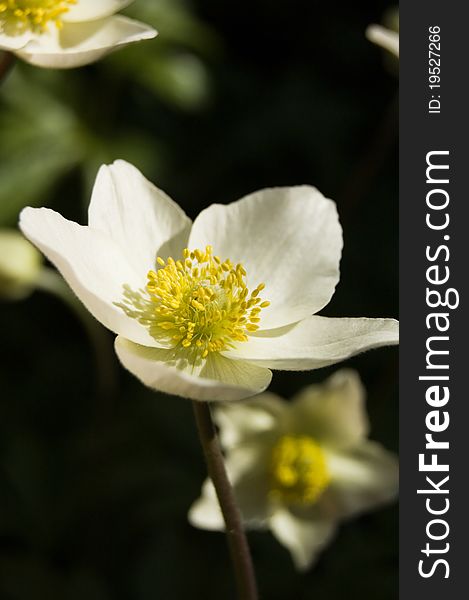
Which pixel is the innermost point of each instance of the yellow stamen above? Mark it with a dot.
(298, 469)
(19, 16)
(198, 304)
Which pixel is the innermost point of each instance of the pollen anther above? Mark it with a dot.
(299, 473)
(199, 303)
(19, 16)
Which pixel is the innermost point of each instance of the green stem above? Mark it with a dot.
(237, 542)
(7, 60)
(51, 282)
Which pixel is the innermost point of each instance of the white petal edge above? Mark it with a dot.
(79, 44)
(89, 10)
(138, 216)
(218, 379)
(303, 538)
(362, 479)
(244, 421)
(14, 42)
(91, 264)
(334, 412)
(288, 238)
(316, 342)
(387, 39)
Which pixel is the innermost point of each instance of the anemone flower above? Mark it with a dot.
(300, 468)
(61, 34)
(205, 309)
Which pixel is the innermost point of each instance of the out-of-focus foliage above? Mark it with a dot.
(51, 122)
(175, 70)
(39, 141)
(231, 97)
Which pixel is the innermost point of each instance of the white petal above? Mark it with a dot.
(79, 44)
(387, 39)
(288, 238)
(14, 42)
(362, 479)
(205, 512)
(218, 378)
(138, 216)
(241, 422)
(333, 413)
(316, 342)
(303, 538)
(247, 470)
(92, 265)
(89, 10)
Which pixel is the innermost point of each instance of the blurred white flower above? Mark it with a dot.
(386, 38)
(20, 265)
(299, 468)
(66, 33)
(205, 309)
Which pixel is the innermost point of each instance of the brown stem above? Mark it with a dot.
(237, 542)
(7, 60)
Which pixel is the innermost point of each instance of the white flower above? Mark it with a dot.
(229, 297)
(66, 33)
(299, 468)
(386, 38)
(20, 265)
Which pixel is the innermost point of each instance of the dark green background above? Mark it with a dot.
(232, 97)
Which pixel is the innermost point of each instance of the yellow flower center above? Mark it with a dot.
(298, 470)
(198, 304)
(19, 16)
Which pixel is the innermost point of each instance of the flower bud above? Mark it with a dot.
(20, 265)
